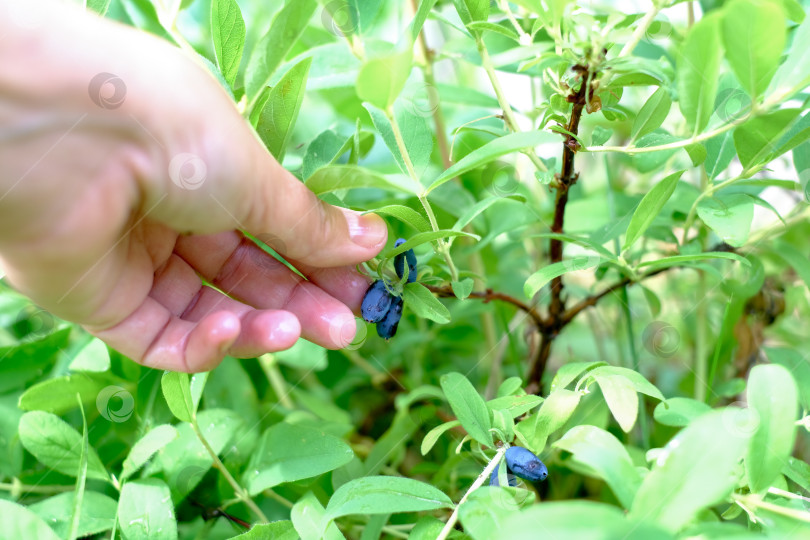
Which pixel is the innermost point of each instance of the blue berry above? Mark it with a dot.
(524, 464)
(376, 302)
(387, 327)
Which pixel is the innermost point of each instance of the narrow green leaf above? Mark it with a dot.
(335, 177)
(773, 396)
(604, 457)
(795, 70)
(177, 391)
(695, 470)
(799, 367)
(421, 16)
(754, 34)
(538, 280)
(287, 26)
(468, 406)
(145, 510)
(580, 241)
(638, 381)
(729, 216)
(649, 207)
(569, 372)
(685, 260)
(652, 113)
(433, 435)
(385, 495)
(228, 31)
(57, 445)
(416, 135)
(147, 446)
(288, 452)
(493, 150)
(698, 65)
(719, 153)
(472, 10)
(478, 208)
(280, 111)
(422, 302)
(21, 522)
(424, 238)
(81, 478)
(555, 411)
(382, 79)
(621, 399)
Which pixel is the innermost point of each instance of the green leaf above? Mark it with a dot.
(798, 366)
(99, 6)
(59, 395)
(475, 210)
(795, 258)
(280, 111)
(277, 530)
(515, 405)
(684, 260)
(385, 495)
(729, 216)
(97, 513)
(553, 414)
(773, 396)
(303, 355)
(719, 153)
(382, 79)
(621, 399)
(493, 150)
(421, 16)
(487, 509)
(580, 520)
(649, 207)
(601, 455)
(433, 435)
(652, 114)
(335, 177)
(177, 391)
(145, 510)
(463, 288)
(288, 452)
(286, 28)
(472, 10)
(468, 406)
(147, 446)
(424, 238)
(759, 139)
(309, 519)
(538, 280)
(406, 215)
(754, 34)
(81, 479)
(582, 241)
(92, 357)
(21, 522)
(600, 135)
(415, 132)
(57, 445)
(324, 149)
(679, 411)
(794, 70)
(638, 381)
(228, 31)
(698, 64)
(422, 302)
(695, 470)
(569, 372)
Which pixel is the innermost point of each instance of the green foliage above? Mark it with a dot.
(616, 286)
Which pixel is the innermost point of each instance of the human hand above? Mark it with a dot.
(114, 201)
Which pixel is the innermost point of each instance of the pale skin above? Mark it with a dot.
(95, 228)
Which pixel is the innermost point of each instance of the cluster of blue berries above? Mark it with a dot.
(379, 305)
(521, 463)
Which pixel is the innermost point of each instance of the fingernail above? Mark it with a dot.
(367, 230)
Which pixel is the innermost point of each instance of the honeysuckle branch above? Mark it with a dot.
(451, 523)
(240, 492)
(488, 295)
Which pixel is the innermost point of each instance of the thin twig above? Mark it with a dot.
(489, 295)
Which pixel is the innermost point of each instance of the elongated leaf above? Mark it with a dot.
(638, 381)
(621, 399)
(478, 208)
(289, 452)
(677, 260)
(57, 445)
(385, 495)
(493, 150)
(415, 133)
(309, 519)
(553, 414)
(81, 479)
(604, 457)
(468, 406)
(795, 70)
(754, 34)
(729, 216)
(759, 140)
(695, 470)
(405, 214)
(433, 435)
(20, 522)
(422, 302)
(719, 153)
(472, 10)
(679, 411)
(327, 147)
(59, 395)
(421, 16)
(177, 391)
(698, 67)
(424, 238)
(580, 241)
(280, 111)
(652, 113)
(228, 31)
(335, 177)
(97, 513)
(277, 530)
(773, 395)
(284, 31)
(92, 357)
(382, 79)
(538, 280)
(649, 207)
(145, 510)
(155, 439)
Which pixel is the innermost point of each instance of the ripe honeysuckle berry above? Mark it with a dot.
(387, 327)
(376, 302)
(524, 464)
(399, 262)
(493, 478)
